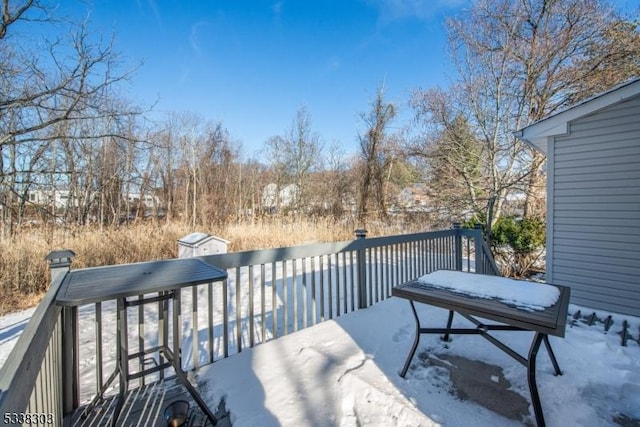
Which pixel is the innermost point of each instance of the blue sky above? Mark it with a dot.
(252, 64)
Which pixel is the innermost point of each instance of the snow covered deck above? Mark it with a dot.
(344, 372)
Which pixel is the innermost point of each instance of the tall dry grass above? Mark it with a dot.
(24, 275)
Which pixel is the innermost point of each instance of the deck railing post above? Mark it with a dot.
(457, 246)
(361, 259)
(59, 265)
(70, 365)
(480, 256)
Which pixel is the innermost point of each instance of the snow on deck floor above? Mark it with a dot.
(345, 372)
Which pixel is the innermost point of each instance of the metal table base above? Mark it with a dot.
(172, 356)
(482, 329)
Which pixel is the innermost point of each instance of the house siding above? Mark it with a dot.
(594, 209)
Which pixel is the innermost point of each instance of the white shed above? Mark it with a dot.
(199, 244)
(593, 198)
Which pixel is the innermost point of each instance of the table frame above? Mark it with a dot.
(128, 284)
(510, 318)
(173, 355)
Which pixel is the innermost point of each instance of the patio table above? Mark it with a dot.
(121, 282)
(510, 317)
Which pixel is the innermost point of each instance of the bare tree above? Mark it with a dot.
(70, 81)
(455, 159)
(302, 151)
(294, 157)
(611, 59)
(376, 156)
(194, 163)
(183, 142)
(338, 183)
(519, 61)
(219, 176)
(251, 181)
(15, 11)
(163, 159)
(274, 150)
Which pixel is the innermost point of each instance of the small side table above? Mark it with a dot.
(121, 282)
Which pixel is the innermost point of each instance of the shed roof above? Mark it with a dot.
(197, 238)
(558, 124)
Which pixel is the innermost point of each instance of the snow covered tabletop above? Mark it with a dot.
(522, 294)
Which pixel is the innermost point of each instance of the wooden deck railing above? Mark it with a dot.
(31, 379)
(268, 293)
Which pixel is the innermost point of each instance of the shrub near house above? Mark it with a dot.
(517, 244)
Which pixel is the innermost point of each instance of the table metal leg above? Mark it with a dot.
(177, 326)
(182, 376)
(483, 330)
(449, 322)
(123, 357)
(175, 357)
(416, 341)
(547, 344)
(531, 373)
(100, 395)
(163, 328)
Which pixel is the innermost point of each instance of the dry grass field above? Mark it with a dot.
(24, 275)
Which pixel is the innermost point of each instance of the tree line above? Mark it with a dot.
(64, 127)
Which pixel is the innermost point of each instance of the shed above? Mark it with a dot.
(199, 244)
(593, 198)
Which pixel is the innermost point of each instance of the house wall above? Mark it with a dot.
(594, 209)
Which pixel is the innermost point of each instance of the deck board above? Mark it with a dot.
(144, 406)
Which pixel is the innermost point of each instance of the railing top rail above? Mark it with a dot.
(20, 370)
(405, 238)
(266, 256)
(469, 232)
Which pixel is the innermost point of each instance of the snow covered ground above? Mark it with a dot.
(11, 326)
(345, 372)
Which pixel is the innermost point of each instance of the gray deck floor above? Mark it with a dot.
(144, 406)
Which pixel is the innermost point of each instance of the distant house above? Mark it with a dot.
(514, 203)
(55, 198)
(289, 195)
(270, 196)
(285, 197)
(146, 200)
(63, 198)
(593, 198)
(414, 197)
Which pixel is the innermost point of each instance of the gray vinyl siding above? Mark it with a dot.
(594, 191)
